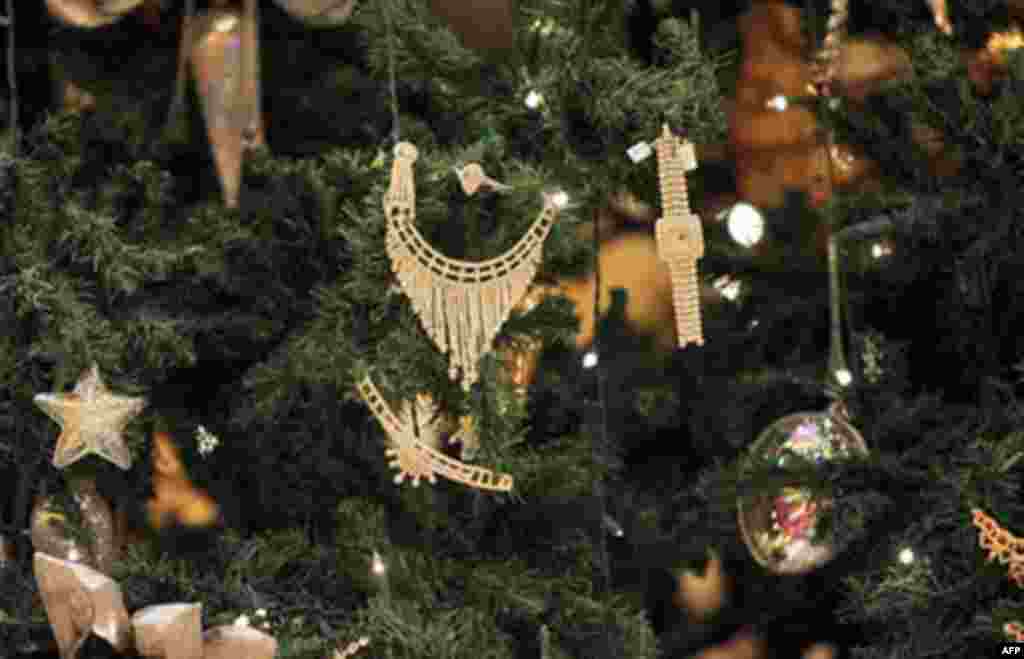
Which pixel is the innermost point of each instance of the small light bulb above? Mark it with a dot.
(729, 288)
(225, 24)
(746, 224)
(534, 99)
(844, 377)
(754, 323)
(242, 621)
(880, 250)
(378, 566)
(560, 199)
(778, 103)
(74, 555)
(906, 556)
(590, 360)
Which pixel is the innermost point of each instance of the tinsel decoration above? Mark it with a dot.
(461, 304)
(416, 460)
(225, 62)
(679, 234)
(1001, 545)
(319, 13)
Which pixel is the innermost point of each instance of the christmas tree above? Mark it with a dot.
(363, 320)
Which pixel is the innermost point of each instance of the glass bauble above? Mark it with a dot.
(783, 530)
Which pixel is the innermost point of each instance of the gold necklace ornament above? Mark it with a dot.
(461, 304)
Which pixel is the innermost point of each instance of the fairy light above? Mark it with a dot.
(225, 24)
(560, 198)
(778, 103)
(745, 224)
(590, 360)
(543, 26)
(843, 377)
(906, 556)
(729, 288)
(534, 99)
(377, 565)
(880, 250)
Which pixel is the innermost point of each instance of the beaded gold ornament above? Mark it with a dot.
(679, 233)
(461, 304)
(1001, 545)
(416, 460)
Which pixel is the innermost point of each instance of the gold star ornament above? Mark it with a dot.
(91, 420)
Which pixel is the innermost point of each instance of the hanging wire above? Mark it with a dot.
(12, 78)
(396, 132)
(825, 71)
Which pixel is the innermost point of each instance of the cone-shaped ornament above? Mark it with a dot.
(251, 90)
(89, 13)
(319, 13)
(218, 64)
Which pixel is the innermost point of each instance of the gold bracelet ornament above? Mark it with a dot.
(416, 460)
(679, 234)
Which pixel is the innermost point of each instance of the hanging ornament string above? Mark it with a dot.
(824, 71)
(396, 132)
(178, 101)
(12, 78)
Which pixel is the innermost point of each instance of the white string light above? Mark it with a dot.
(534, 99)
(880, 250)
(745, 224)
(377, 566)
(560, 198)
(778, 103)
(843, 377)
(906, 556)
(729, 288)
(590, 360)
